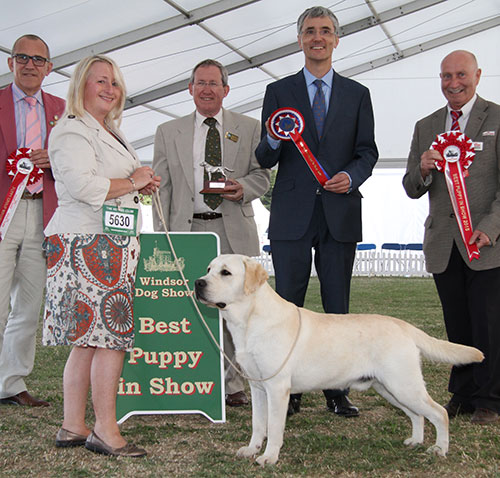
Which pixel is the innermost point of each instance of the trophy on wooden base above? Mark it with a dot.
(217, 179)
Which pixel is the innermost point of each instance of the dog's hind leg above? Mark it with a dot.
(409, 390)
(417, 421)
(259, 422)
(277, 404)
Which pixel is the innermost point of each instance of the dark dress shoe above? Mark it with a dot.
(293, 406)
(24, 399)
(238, 399)
(65, 438)
(484, 416)
(342, 406)
(95, 444)
(456, 408)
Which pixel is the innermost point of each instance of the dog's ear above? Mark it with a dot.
(255, 276)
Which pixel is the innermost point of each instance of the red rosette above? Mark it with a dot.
(454, 147)
(19, 162)
(286, 121)
(288, 124)
(457, 154)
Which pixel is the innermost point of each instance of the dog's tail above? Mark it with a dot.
(443, 351)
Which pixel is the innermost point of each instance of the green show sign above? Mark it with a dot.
(174, 367)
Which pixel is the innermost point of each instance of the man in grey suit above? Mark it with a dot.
(469, 290)
(180, 159)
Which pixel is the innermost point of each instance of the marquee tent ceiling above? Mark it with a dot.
(387, 45)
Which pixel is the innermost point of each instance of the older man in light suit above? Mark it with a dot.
(469, 291)
(180, 153)
(23, 264)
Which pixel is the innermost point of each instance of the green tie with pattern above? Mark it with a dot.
(213, 157)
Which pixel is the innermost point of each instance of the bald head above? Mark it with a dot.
(459, 78)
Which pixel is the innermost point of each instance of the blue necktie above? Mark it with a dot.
(319, 107)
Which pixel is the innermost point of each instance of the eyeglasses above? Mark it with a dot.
(210, 84)
(323, 32)
(23, 59)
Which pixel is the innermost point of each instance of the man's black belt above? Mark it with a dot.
(207, 216)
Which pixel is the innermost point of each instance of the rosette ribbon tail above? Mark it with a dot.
(460, 202)
(287, 124)
(458, 153)
(11, 201)
(319, 173)
(22, 171)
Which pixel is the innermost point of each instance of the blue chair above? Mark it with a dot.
(394, 246)
(414, 247)
(365, 247)
(267, 248)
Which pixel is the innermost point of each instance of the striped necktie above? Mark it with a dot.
(455, 126)
(319, 107)
(33, 135)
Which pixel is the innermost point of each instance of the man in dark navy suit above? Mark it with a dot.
(304, 215)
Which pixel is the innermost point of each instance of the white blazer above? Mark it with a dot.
(84, 157)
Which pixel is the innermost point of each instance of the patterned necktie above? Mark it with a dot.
(213, 156)
(455, 126)
(319, 107)
(33, 136)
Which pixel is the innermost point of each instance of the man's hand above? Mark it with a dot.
(40, 158)
(233, 190)
(480, 238)
(339, 184)
(428, 162)
(269, 131)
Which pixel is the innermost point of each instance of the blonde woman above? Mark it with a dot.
(92, 251)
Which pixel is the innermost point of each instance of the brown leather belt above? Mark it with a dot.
(28, 195)
(207, 216)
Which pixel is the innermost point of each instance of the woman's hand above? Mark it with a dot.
(145, 179)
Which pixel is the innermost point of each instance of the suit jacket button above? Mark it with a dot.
(452, 215)
(136, 199)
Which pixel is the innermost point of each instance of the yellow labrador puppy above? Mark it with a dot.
(331, 351)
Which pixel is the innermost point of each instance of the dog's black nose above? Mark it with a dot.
(200, 283)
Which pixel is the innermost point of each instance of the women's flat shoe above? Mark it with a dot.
(95, 444)
(65, 438)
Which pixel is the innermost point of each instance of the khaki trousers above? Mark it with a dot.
(22, 281)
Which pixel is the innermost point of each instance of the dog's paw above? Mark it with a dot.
(263, 460)
(247, 451)
(412, 442)
(436, 450)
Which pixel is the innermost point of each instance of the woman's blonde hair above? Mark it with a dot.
(76, 91)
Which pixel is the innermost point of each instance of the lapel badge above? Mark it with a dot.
(232, 137)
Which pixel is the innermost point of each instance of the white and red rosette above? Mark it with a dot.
(22, 171)
(288, 124)
(457, 151)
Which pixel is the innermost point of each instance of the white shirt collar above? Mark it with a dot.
(465, 109)
(199, 118)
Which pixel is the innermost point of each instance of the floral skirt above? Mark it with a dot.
(90, 290)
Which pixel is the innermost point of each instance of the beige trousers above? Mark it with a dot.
(22, 281)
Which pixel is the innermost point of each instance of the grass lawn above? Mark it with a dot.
(316, 443)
